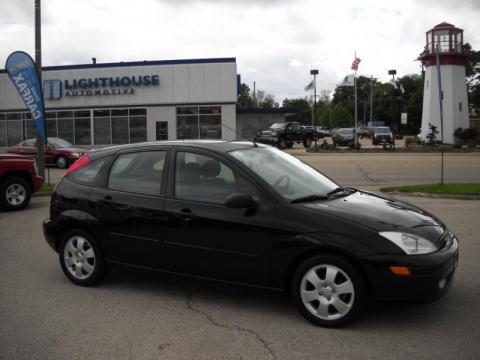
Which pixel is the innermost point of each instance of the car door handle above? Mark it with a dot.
(185, 214)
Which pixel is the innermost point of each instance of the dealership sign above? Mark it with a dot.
(23, 72)
(120, 85)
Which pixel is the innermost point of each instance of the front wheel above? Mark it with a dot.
(307, 143)
(15, 193)
(328, 290)
(62, 162)
(282, 144)
(81, 258)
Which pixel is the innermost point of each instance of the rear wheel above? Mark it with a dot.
(81, 258)
(15, 193)
(328, 290)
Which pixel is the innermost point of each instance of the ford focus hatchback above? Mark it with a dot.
(248, 214)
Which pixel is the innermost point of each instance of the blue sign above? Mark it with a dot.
(23, 72)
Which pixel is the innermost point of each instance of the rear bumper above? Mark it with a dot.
(51, 232)
(431, 275)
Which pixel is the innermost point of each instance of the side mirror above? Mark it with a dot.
(240, 201)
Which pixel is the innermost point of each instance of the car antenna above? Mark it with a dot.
(254, 141)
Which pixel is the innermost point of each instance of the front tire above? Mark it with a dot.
(307, 143)
(81, 258)
(328, 290)
(282, 144)
(15, 193)
(62, 162)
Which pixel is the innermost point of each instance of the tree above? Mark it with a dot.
(245, 100)
(472, 72)
(302, 105)
(265, 101)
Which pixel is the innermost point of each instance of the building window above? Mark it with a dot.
(460, 106)
(199, 122)
(161, 130)
(109, 126)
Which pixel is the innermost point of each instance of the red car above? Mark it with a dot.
(59, 152)
(18, 180)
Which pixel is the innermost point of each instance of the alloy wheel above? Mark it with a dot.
(16, 194)
(327, 292)
(79, 257)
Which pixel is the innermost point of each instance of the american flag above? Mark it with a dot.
(355, 63)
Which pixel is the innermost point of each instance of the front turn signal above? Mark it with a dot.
(400, 270)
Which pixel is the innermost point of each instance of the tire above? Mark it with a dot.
(290, 145)
(15, 193)
(282, 144)
(316, 288)
(307, 143)
(61, 162)
(83, 263)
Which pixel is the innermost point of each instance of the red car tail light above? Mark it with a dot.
(84, 160)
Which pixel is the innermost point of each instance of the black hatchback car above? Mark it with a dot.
(248, 214)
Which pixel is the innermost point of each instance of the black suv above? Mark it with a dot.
(249, 214)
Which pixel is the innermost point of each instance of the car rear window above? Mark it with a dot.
(87, 173)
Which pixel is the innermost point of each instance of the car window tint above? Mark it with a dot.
(203, 178)
(139, 172)
(86, 174)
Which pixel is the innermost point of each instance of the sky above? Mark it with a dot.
(276, 42)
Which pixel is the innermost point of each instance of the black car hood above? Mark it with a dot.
(380, 213)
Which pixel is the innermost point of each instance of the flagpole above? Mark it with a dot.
(355, 84)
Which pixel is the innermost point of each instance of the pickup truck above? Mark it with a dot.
(18, 180)
(284, 135)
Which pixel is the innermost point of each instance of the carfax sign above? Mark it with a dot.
(23, 72)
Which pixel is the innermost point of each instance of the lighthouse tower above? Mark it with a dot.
(448, 40)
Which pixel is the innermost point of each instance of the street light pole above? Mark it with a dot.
(314, 72)
(38, 62)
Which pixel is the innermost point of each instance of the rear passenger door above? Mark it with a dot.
(131, 207)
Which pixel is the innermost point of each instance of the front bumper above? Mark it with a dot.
(37, 182)
(267, 139)
(51, 232)
(431, 275)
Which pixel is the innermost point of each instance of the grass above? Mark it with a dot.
(453, 189)
(47, 187)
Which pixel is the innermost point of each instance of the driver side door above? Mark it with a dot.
(206, 238)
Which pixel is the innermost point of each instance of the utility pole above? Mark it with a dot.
(371, 99)
(38, 62)
(314, 72)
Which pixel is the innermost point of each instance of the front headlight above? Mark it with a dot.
(76, 154)
(274, 133)
(409, 243)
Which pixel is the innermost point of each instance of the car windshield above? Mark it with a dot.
(382, 130)
(345, 131)
(289, 176)
(278, 126)
(59, 143)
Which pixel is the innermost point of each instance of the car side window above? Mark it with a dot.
(87, 174)
(205, 179)
(30, 143)
(139, 172)
(296, 127)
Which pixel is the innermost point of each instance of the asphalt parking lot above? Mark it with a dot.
(138, 316)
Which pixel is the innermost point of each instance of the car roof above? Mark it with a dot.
(221, 146)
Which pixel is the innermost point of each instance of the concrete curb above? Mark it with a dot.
(433, 196)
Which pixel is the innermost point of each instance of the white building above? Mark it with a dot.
(449, 40)
(126, 102)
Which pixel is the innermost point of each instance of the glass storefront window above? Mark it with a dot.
(161, 129)
(210, 126)
(82, 131)
(138, 129)
(119, 130)
(31, 130)
(65, 129)
(52, 128)
(14, 132)
(3, 131)
(200, 122)
(101, 131)
(138, 112)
